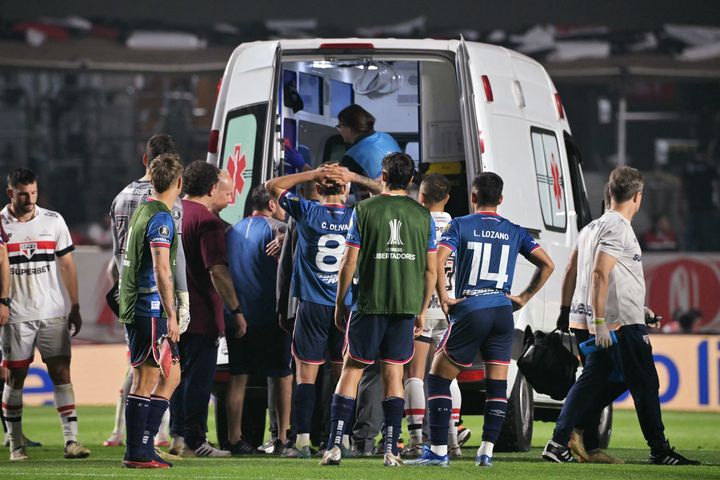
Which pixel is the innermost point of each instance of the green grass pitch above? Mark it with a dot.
(696, 435)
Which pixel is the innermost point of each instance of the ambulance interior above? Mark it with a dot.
(415, 101)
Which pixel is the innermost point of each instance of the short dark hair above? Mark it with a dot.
(400, 169)
(435, 187)
(357, 119)
(624, 183)
(327, 189)
(165, 169)
(488, 187)
(199, 178)
(259, 198)
(158, 144)
(21, 176)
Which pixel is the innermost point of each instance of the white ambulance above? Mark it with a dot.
(459, 108)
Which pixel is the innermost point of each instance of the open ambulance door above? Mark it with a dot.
(246, 120)
(468, 114)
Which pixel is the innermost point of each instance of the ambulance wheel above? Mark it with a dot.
(516, 434)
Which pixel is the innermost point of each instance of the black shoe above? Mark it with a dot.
(241, 448)
(668, 456)
(557, 453)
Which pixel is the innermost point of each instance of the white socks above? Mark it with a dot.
(486, 448)
(65, 405)
(414, 408)
(455, 416)
(12, 411)
(439, 449)
(303, 439)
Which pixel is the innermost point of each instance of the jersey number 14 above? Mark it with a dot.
(480, 266)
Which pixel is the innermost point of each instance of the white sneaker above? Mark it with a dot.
(392, 460)
(267, 447)
(18, 454)
(331, 457)
(208, 450)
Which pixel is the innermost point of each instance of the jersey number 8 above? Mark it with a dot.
(480, 271)
(333, 252)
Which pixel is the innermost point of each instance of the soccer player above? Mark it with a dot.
(208, 191)
(486, 246)
(265, 348)
(321, 229)
(609, 261)
(434, 195)
(392, 243)
(39, 244)
(121, 211)
(148, 310)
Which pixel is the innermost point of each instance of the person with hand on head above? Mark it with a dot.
(481, 314)
(321, 230)
(148, 309)
(39, 247)
(610, 288)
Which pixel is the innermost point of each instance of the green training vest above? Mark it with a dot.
(137, 252)
(390, 274)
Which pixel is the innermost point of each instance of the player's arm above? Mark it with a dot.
(566, 292)
(68, 273)
(181, 287)
(431, 278)
(278, 185)
(545, 267)
(344, 176)
(166, 287)
(223, 284)
(4, 283)
(603, 265)
(345, 276)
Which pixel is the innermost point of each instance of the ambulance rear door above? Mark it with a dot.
(243, 141)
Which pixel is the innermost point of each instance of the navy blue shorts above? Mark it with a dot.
(315, 333)
(143, 335)
(264, 350)
(489, 330)
(387, 337)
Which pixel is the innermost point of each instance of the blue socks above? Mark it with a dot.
(439, 408)
(303, 405)
(393, 408)
(136, 413)
(158, 405)
(495, 406)
(341, 411)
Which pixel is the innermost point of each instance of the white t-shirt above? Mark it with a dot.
(442, 219)
(613, 235)
(32, 250)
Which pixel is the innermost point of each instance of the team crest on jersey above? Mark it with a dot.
(164, 231)
(28, 249)
(395, 226)
(176, 213)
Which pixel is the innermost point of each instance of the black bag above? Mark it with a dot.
(547, 364)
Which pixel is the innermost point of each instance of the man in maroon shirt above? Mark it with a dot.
(210, 285)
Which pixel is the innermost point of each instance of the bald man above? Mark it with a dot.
(208, 192)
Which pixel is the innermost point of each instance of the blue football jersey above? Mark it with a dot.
(160, 233)
(321, 244)
(254, 273)
(486, 247)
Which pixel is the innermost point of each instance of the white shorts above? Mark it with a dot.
(434, 329)
(19, 340)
